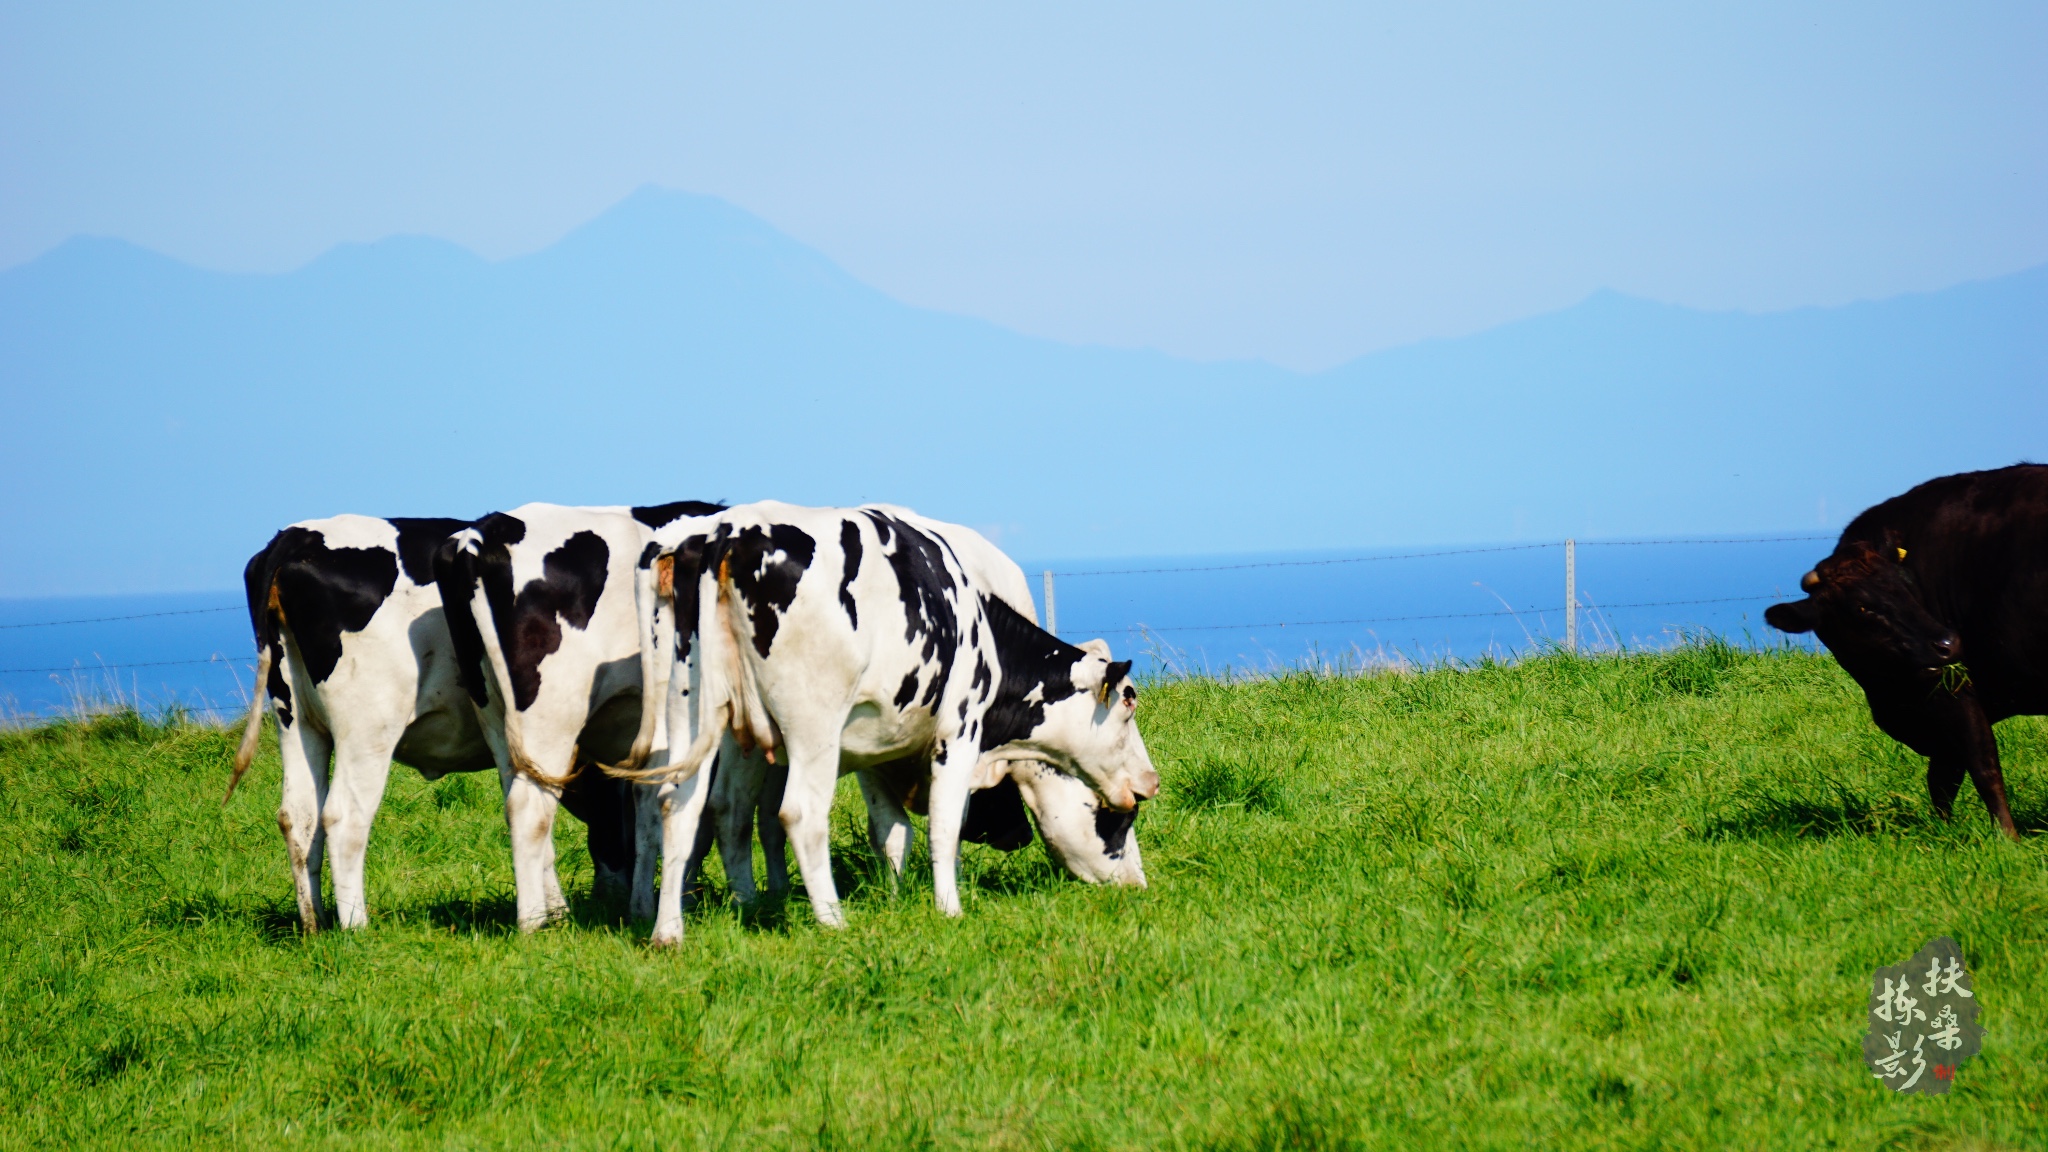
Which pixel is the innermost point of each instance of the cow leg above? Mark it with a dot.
(716, 798)
(1980, 746)
(950, 787)
(700, 848)
(305, 752)
(361, 770)
(530, 816)
(1944, 779)
(682, 813)
(606, 808)
(735, 795)
(889, 827)
(806, 812)
(774, 840)
(646, 849)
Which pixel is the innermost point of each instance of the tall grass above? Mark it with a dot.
(1615, 901)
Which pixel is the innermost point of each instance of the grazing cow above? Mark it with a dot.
(356, 662)
(1094, 843)
(853, 638)
(556, 642)
(1936, 601)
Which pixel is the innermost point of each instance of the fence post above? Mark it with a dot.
(1052, 619)
(1571, 595)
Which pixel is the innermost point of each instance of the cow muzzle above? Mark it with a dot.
(1141, 788)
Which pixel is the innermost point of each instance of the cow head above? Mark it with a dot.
(1864, 604)
(1094, 842)
(1093, 733)
(1072, 707)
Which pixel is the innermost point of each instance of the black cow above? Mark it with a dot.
(1937, 603)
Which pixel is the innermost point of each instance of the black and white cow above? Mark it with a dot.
(558, 638)
(356, 662)
(852, 638)
(1094, 843)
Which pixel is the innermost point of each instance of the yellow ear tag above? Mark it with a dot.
(1902, 553)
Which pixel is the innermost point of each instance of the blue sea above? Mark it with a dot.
(1225, 614)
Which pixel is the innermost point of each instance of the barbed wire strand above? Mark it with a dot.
(1400, 619)
(1706, 540)
(1432, 555)
(110, 619)
(1309, 563)
(226, 662)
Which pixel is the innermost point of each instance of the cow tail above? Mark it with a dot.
(713, 697)
(652, 586)
(252, 732)
(266, 620)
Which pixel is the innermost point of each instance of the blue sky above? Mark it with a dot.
(1299, 183)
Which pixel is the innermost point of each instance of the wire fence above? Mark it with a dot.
(243, 664)
(1411, 619)
(114, 619)
(1433, 555)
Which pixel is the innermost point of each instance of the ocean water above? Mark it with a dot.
(191, 649)
(1235, 614)
(1255, 614)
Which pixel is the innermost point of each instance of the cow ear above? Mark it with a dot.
(1793, 616)
(1117, 674)
(665, 575)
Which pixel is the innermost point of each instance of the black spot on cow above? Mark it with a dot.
(530, 624)
(419, 538)
(320, 593)
(765, 567)
(458, 569)
(648, 555)
(689, 567)
(926, 586)
(1030, 658)
(1113, 828)
(849, 544)
(907, 693)
(983, 680)
(661, 515)
(996, 817)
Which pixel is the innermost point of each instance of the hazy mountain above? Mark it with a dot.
(161, 421)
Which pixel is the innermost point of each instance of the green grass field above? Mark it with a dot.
(1614, 902)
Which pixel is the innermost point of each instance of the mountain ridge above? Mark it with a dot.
(677, 346)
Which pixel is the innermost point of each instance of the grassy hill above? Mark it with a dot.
(1614, 902)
